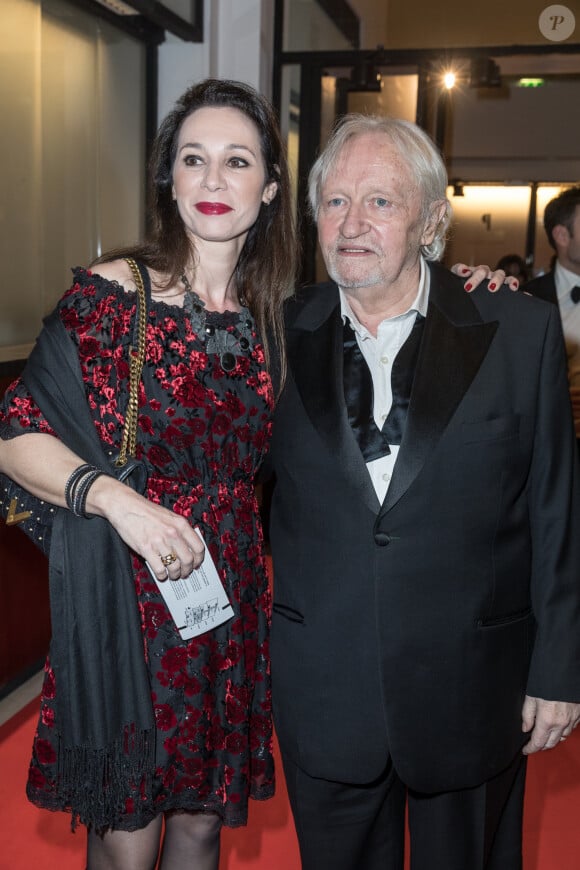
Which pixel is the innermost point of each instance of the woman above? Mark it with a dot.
(218, 268)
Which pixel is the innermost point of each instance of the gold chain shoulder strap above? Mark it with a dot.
(136, 361)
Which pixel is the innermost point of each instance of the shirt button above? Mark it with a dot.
(386, 477)
(384, 360)
(384, 417)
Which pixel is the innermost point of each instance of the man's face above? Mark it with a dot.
(370, 223)
(569, 244)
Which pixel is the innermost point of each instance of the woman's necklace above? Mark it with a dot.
(225, 342)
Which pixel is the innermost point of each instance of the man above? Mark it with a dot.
(426, 599)
(561, 285)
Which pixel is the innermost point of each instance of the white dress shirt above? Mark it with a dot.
(380, 353)
(570, 315)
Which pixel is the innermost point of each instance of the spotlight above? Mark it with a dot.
(485, 73)
(364, 77)
(449, 80)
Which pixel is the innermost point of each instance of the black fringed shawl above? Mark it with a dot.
(104, 714)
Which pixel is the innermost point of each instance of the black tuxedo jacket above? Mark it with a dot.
(543, 287)
(415, 627)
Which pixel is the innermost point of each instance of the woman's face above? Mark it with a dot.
(219, 177)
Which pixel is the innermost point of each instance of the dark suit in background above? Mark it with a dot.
(561, 285)
(544, 287)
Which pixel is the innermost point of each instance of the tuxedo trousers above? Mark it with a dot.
(341, 826)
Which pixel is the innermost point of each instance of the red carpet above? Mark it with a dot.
(32, 839)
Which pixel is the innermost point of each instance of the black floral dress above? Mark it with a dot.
(203, 432)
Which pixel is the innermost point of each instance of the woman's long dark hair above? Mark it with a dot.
(265, 272)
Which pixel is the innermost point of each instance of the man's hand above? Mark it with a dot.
(477, 274)
(548, 722)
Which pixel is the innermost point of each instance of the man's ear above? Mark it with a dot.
(561, 235)
(437, 213)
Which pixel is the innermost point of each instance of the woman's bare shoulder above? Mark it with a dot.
(115, 270)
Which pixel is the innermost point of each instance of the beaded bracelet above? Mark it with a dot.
(77, 488)
(81, 492)
(72, 482)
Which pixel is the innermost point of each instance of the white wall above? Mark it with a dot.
(238, 44)
(68, 187)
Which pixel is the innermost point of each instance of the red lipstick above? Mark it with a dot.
(213, 207)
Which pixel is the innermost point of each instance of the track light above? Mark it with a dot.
(364, 77)
(485, 73)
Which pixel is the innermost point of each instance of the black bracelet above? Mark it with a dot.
(72, 482)
(77, 488)
(82, 490)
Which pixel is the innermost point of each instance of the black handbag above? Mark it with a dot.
(35, 517)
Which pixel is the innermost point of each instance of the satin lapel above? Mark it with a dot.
(315, 358)
(449, 359)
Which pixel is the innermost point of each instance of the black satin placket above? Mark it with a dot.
(358, 393)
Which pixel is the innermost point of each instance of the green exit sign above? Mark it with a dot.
(531, 83)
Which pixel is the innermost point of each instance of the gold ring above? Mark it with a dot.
(168, 560)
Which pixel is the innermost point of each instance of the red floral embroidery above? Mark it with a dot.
(45, 752)
(48, 689)
(36, 779)
(165, 717)
(47, 716)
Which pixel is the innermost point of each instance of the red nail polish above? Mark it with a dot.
(492, 286)
(468, 286)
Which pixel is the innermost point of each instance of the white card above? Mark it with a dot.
(198, 602)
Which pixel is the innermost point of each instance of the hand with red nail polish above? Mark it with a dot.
(477, 274)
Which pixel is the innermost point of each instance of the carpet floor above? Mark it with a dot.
(31, 839)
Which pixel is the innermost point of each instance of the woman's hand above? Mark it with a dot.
(477, 274)
(152, 531)
(42, 465)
